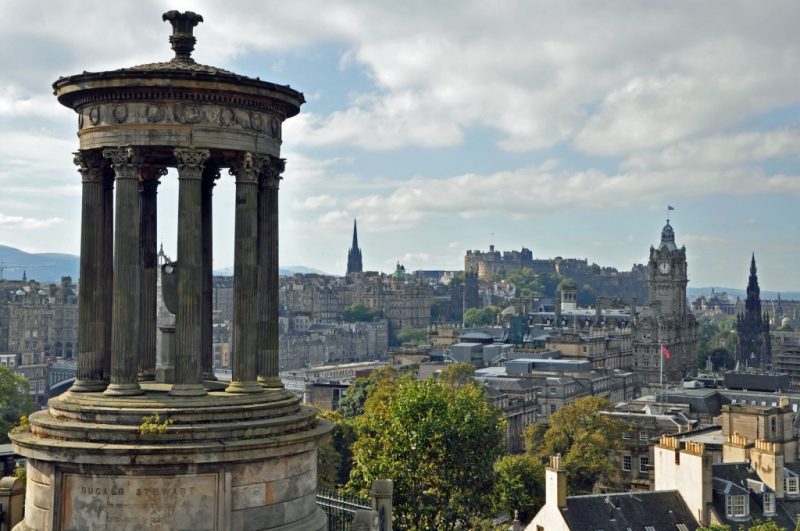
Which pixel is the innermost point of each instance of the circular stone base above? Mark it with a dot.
(216, 462)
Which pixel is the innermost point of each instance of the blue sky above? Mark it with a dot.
(565, 127)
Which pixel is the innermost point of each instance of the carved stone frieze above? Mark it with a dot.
(183, 113)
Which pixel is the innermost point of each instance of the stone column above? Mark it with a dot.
(127, 275)
(90, 377)
(268, 340)
(189, 317)
(245, 275)
(148, 249)
(106, 272)
(206, 211)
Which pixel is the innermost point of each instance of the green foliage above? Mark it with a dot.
(360, 313)
(20, 472)
(335, 457)
(457, 374)
(525, 280)
(437, 442)
(716, 527)
(409, 334)
(769, 525)
(23, 425)
(519, 485)
(480, 316)
(15, 402)
(152, 425)
(585, 438)
(352, 403)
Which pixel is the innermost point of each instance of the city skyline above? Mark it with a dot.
(567, 129)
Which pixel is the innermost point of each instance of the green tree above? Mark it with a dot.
(437, 442)
(335, 457)
(585, 438)
(525, 281)
(15, 401)
(359, 313)
(519, 485)
(457, 374)
(409, 334)
(480, 316)
(769, 525)
(351, 404)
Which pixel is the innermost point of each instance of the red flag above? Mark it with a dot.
(665, 351)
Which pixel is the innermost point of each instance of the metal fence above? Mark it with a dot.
(341, 508)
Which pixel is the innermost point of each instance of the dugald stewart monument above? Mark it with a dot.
(134, 445)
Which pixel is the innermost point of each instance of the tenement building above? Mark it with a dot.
(132, 446)
(667, 323)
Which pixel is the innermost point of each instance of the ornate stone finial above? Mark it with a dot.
(182, 39)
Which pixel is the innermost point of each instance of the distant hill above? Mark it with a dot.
(44, 267)
(50, 267)
(693, 293)
(285, 271)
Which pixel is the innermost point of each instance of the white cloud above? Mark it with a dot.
(315, 202)
(19, 222)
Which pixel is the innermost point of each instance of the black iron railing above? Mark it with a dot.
(341, 508)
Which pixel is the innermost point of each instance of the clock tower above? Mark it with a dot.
(667, 275)
(666, 322)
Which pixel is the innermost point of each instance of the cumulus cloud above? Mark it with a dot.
(19, 222)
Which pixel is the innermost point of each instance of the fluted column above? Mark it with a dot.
(106, 273)
(245, 276)
(206, 211)
(189, 317)
(268, 273)
(148, 250)
(127, 275)
(90, 377)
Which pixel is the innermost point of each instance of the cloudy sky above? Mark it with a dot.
(565, 127)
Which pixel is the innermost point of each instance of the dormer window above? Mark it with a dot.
(769, 503)
(736, 506)
(791, 485)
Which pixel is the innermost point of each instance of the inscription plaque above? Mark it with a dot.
(154, 503)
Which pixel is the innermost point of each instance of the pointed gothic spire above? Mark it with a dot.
(354, 264)
(753, 265)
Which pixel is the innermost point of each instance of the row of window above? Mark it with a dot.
(644, 464)
(643, 436)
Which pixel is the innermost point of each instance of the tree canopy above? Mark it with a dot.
(15, 401)
(409, 334)
(360, 313)
(584, 437)
(480, 316)
(519, 485)
(438, 443)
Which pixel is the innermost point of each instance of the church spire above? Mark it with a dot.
(354, 264)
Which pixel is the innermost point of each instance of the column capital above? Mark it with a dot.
(125, 161)
(191, 162)
(271, 172)
(91, 165)
(247, 167)
(153, 173)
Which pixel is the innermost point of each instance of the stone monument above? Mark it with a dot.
(121, 450)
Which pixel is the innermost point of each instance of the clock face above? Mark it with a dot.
(664, 267)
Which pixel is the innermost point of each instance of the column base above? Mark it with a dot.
(209, 376)
(147, 376)
(271, 382)
(244, 387)
(165, 374)
(130, 389)
(88, 386)
(187, 390)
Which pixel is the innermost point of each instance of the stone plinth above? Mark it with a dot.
(224, 462)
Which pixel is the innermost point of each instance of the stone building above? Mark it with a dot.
(786, 355)
(667, 322)
(752, 328)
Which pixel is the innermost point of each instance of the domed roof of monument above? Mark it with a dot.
(668, 238)
(567, 283)
(181, 67)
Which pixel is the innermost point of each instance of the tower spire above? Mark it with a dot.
(354, 264)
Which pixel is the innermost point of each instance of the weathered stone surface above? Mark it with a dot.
(145, 502)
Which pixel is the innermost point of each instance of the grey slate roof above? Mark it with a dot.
(661, 510)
